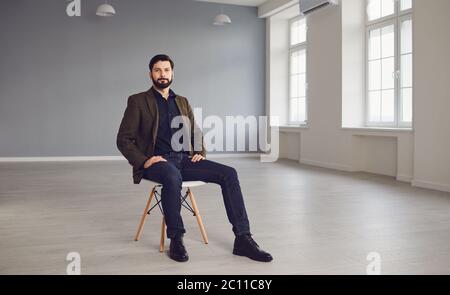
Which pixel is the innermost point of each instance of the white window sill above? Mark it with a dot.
(293, 128)
(379, 129)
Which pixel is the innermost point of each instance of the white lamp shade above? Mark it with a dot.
(222, 19)
(105, 10)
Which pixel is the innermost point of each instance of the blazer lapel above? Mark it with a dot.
(151, 103)
(153, 110)
(180, 106)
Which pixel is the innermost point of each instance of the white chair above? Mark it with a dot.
(156, 193)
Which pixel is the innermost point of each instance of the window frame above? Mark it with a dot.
(393, 19)
(404, 124)
(292, 49)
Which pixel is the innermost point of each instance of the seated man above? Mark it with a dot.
(145, 139)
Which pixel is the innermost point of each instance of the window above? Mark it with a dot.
(297, 71)
(389, 63)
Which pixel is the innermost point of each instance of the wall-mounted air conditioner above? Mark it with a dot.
(308, 6)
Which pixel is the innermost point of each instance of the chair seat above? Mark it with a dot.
(185, 183)
(192, 183)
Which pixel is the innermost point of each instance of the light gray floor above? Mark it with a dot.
(313, 221)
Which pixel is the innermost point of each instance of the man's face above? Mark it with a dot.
(162, 74)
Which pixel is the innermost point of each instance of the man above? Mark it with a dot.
(145, 138)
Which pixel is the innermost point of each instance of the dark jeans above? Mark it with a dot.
(178, 168)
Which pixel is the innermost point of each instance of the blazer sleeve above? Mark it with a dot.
(126, 137)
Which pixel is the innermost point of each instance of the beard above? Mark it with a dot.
(162, 83)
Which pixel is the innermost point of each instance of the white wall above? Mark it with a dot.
(432, 94)
(353, 62)
(290, 145)
(375, 154)
(276, 68)
(325, 143)
(421, 156)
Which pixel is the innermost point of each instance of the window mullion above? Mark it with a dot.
(397, 69)
(402, 18)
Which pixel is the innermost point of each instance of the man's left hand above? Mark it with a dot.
(197, 158)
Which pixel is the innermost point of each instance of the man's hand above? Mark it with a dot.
(153, 160)
(197, 158)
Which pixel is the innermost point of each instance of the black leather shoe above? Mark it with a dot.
(177, 250)
(246, 246)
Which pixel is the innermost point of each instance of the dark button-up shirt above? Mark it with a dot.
(167, 110)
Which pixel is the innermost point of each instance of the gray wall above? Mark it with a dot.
(64, 81)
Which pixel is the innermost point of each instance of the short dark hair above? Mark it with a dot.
(158, 58)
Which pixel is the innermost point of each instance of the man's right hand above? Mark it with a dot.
(153, 160)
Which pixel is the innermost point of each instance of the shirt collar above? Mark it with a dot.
(156, 92)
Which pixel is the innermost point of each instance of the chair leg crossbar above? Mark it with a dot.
(184, 202)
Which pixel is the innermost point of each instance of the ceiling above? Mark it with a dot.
(237, 2)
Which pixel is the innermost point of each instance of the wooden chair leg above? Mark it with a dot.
(198, 216)
(144, 216)
(163, 235)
